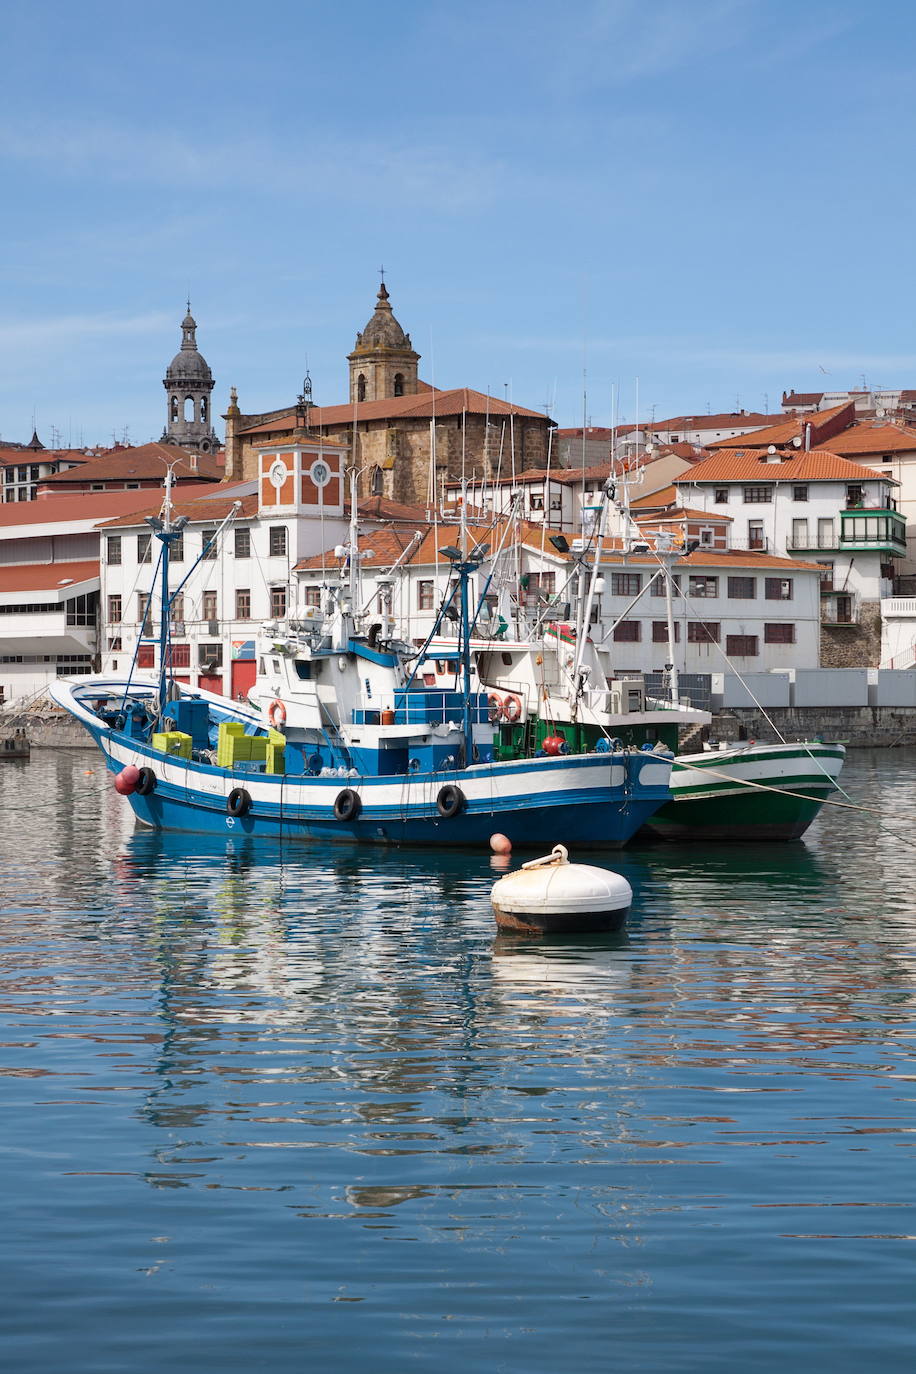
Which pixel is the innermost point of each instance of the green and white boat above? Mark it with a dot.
(749, 791)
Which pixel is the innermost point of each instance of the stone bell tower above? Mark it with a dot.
(383, 362)
(188, 385)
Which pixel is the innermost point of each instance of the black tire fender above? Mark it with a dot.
(146, 783)
(238, 802)
(347, 805)
(451, 801)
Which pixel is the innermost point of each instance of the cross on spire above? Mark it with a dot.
(381, 272)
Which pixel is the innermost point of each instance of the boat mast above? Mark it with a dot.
(673, 686)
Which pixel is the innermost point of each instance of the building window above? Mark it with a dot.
(799, 534)
(277, 548)
(755, 535)
(312, 596)
(702, 586)
(536, 501)
(242, 542)
(378, 482)
(799, 493)
(742, 588)
(703, 631)
(626, 584)
(758, 495)
(208, 537)
(826, 576)
(179, 656)
(113, 549)
(146, 656)
(114, 610)
(741, 646)
(144, 548)
(399, 384)
(143, 615)
(778, 588)
(243, 603)
(425, 595)
(660, 632)
(210, 657)
(96, 486)
(779, 634)
(720, 496)
(176, 609)
(361, 387)
(208, 606)
(658, 586)
(176, 549)
(855, 495)
(628, 632)
(278, 602)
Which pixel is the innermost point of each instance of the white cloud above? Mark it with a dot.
(17, 335)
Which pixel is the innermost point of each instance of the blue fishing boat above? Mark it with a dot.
(343, 739)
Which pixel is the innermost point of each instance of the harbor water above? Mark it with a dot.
(301, 1108)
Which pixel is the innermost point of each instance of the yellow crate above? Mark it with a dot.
(174, 742)
(227, 737)
(276, 759)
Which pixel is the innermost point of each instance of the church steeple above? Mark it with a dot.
(188, 383)
(383, 362)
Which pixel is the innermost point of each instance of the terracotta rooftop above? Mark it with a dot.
(148, 462)
(15, 456)
(675, 513)
(197, 512)
(733, 419)
(75, 507)
(793, 427)
(802, 398)
(750, 465)
(46, 577)
(875, 439)
(424, 405)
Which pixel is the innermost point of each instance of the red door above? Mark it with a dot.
(244, 672)
(211, 684)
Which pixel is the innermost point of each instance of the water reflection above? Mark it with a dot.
(322, 1070)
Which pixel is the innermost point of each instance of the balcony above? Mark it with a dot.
(812, 543)
(839, 608)
(879, 530)
(757, 544)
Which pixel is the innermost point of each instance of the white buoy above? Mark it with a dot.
(551, 894)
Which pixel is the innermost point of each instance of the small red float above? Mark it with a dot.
(555, 744)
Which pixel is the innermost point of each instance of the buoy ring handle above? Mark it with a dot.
(558, 855)
(276, 714)
(494, 707)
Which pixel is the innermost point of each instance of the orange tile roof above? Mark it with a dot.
(10, 457)
(199, 512)
(424, 405)
(875, 439)
(46, 577)
(676, 513)
(667, 496)
(148, 461)
(792, 427)
(743, 465)
(94, 505)
(734, 419)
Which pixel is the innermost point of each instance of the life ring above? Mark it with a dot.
(450, 801)
(276, 714)
(347, 805)
(512, 708)
(146, 782)
(238, 802)
(494, 707)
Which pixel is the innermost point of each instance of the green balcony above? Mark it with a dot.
(872, 531)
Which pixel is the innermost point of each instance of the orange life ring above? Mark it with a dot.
(512, 708)
(276, 714)
(494, 707)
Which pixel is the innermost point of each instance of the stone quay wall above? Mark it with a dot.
(858, 727)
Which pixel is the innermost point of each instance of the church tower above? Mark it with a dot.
(188, 385)
(382, 363)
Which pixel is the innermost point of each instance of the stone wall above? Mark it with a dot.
(858, 727)
(853, 646)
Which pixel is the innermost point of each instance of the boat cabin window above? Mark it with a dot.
(303, 669)
(507, 659)
(275, 664)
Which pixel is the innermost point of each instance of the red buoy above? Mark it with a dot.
(126, 781)
(555, 744)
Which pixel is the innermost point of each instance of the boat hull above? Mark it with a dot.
(591, 800)
(711, 797)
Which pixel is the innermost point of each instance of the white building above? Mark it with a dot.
(295, 507)
(821, 508)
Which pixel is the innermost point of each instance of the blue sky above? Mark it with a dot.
(712, 196)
